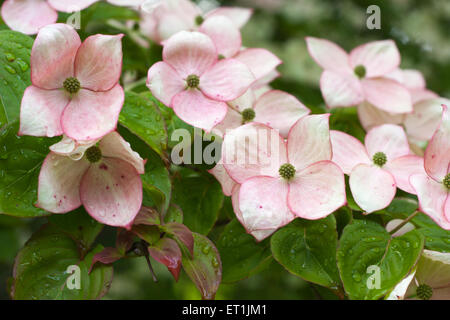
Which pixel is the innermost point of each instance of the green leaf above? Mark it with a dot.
(200, 197)
(346, 120)
(20, 162)
(204, 268)
(241, 255)
(141, 115)
(366, 245)
(307, 248)
(174, 214)
(436, 239)
(15, 50)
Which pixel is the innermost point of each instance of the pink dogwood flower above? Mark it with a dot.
(279, 180)
(379, 167)
(193, 82)
(350, 79)
(433, 187)
(103, 176)
(75, 88)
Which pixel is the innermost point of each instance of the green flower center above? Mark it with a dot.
(287, 171)
(360, 71)
(199, 20)
(446, 181)
(72, 85)
(192, 81)
(221, 57)
(248, 115)
(93, 154)
(424, 292)
(379, 159)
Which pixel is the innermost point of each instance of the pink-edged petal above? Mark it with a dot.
(261, 212)
(329, 55)
(232, 120)
(432, 198)
(253, 150)
(340, 90)
(404, 167)
(348, 151)
(164, 82)
(246, 101)
(264, 81)
(373, 188)
(59, 183)
(437, 154)
(413, 79)
(127, 3)
(194, 108)
(418, 95)
(53, 56)
(389, 139)
(261, 62)
(371, 116)
(98, 63)
(71, 148)
(309, 141)
(170, 23)
(111, 192)
(41, 111)
(190, 53)
(423, 122)
(378, 57)
(387, 95)
(279, 110)
(114, 146)
(227, 80)
(91, 115)
(317, 191)
(27, 16)
(239, 16)
(70, 5)
(222, 176)
(226, 37)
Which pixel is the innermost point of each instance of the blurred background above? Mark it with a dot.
(420, 29)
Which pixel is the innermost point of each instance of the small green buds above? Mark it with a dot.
(199, 20)
(379, 159)
(360, 71)
(446, 181)
(72, 85)
(248, 115)
(93, 154)
(287, 171)
(424, 292)
(192, 81)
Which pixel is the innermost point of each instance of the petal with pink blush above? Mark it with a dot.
(111, 192)
(423, 122)
(418, 95)
(222, 176)
(28, 16)
(246, 101)
(59, 183)
(164, 82)
(437, 154)
(72, 149)
(190, 53)
(114, 146)
(372, 187)
(387, 95)
(261, 212)
(378, 57)
(348, 151)
(329, 55)
(432, 198)
(98, 63)
(232, 120)
(413, 79)
(340, 90)
(91, 115)
(41, 111)
(371, 116)
(70, 5)
(261, 62)
(226, 37)
(227, 80)
(239, 16)
(253, 150)
(389, 139)
(317, 191)
(197, 110)
(279, 110)
(404, 167)
(309, 141)
(53, 56)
